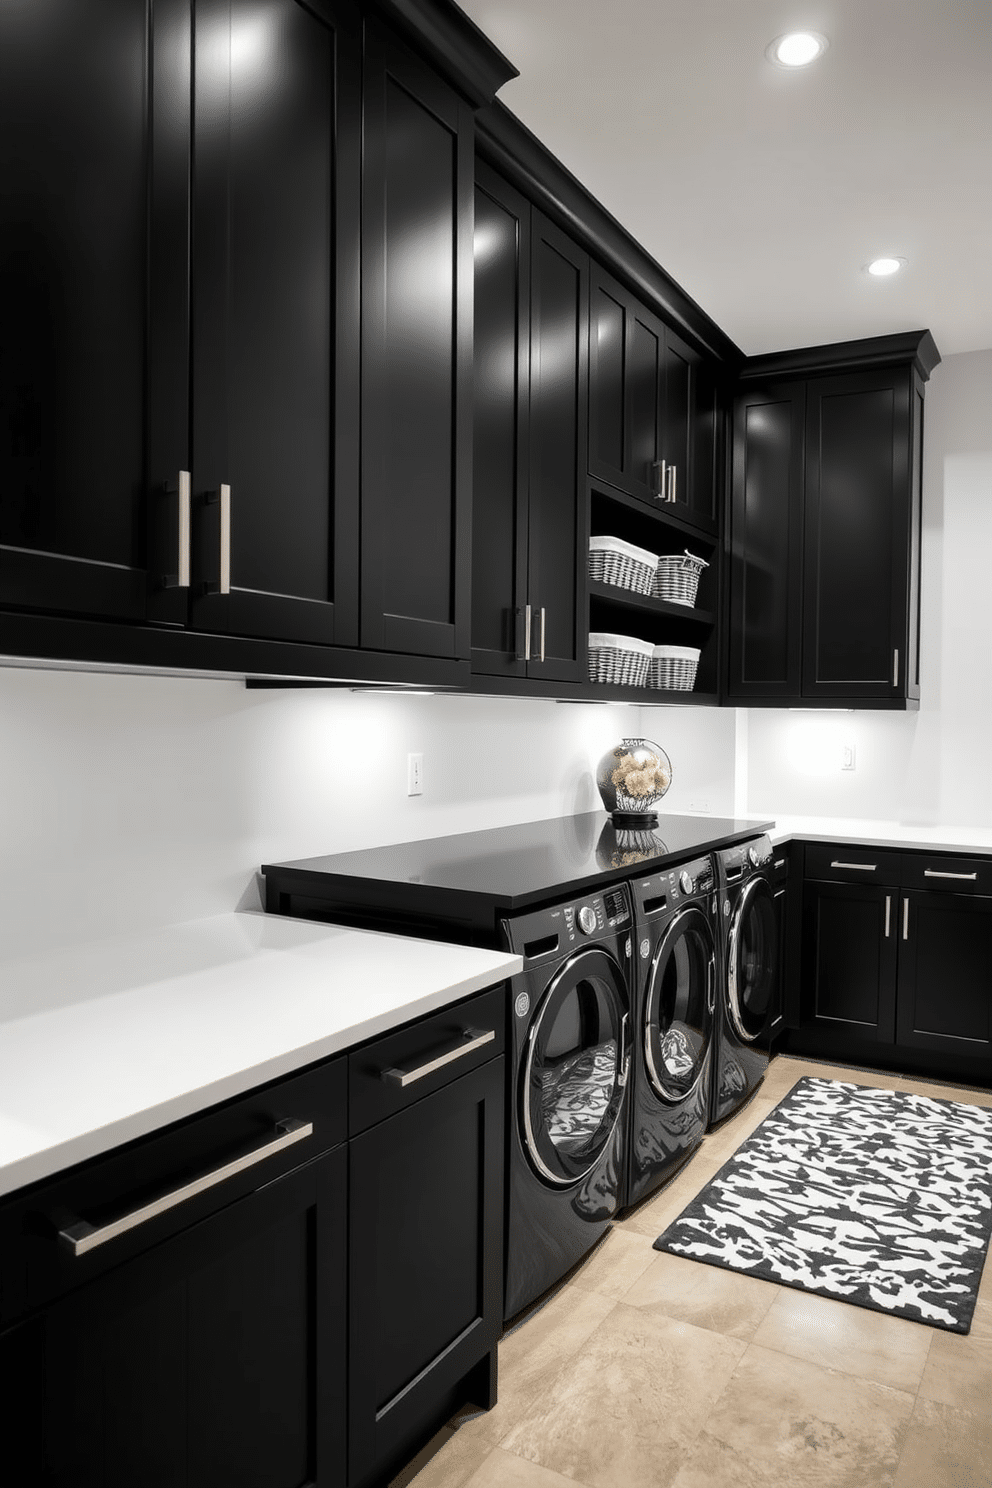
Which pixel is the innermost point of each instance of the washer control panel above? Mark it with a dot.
(587, 918)
(666, 890)
(753, 856)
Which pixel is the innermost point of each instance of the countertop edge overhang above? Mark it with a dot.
(211, 1020)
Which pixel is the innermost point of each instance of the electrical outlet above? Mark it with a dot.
(698, 806)
(847, 758)
(415, 774)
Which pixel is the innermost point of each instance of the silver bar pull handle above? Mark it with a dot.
(895, 667)
(472, 1039)
(861, 867)
(779, 862)
(672, 478)
(905, 919)
(82, 1237)
(660, 469)
(184, 507)
(544, 617)
(935, 873)
(888, 914)
(222, 496)
(527, 618)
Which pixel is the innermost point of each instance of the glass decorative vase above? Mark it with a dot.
(632, 778)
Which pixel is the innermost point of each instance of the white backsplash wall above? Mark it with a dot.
(931, 766)
(137, 800)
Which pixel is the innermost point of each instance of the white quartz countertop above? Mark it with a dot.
(109, 1041)
(868, 833)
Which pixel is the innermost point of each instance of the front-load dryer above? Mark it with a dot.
(675, 992)
(749, 944)
(568, 1048)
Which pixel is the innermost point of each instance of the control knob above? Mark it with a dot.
(686, 882)
(587, 919)
(752, 857)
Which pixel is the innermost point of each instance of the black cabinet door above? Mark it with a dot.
(849, 960)
(426, 1225)
(945, 953)
(500, 426)
(80, 173)
(766, 534)
(557, 521)
(626, 388)
(416, 553)
(275, 195)
(676, 418)
(857, 550)
(217, 1357)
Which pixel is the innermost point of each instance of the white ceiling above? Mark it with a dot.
(764, 192)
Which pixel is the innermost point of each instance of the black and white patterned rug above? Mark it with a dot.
(869, 1196)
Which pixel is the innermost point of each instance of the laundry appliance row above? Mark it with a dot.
(640, 1018)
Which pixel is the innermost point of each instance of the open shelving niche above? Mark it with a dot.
(662, 530)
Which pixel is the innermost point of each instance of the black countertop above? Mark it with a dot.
(474, 877)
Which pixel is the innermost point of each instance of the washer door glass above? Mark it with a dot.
(678, 1007)
(576, 1067)
(752, 960)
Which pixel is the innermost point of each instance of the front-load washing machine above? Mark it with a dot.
(749, 944)
(675, 993)
(568, 1047)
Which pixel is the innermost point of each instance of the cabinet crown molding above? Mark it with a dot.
(454, 44)
(917, 347)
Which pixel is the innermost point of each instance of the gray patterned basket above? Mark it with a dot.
(619, 659)
(677, 577)
(673, 667)
(621, 564)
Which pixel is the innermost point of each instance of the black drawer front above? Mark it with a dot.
(38, 1264)
(393, 1072)
(948, 874)
(840, 863)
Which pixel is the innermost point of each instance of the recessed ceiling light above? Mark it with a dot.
(796, 49)
(881, 267)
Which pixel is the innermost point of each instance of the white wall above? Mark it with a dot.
(934, 765)
(137, 800)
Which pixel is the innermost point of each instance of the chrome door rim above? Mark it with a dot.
(693, 911)
(754, 887)
(530, 1140)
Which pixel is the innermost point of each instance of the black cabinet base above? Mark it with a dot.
(923, 1064)
(477, 1388)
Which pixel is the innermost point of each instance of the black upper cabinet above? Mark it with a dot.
(529, 431)
(557, 525)
(653, 406)
(825, 527)
(179, 215)
(274, 318)
(861, 502)
(501, 368)
(77, 163)
(416, 357)
(766, 544)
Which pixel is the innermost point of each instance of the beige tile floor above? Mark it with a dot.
(647, 1370)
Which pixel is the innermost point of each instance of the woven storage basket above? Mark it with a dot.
(673, 667)
(619, 659)
(621, 564)
(677, 577)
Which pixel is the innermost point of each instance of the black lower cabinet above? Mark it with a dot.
(216, 1357)
(945, 974)
(894, 974)
(849, 952)
(426, 1216)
